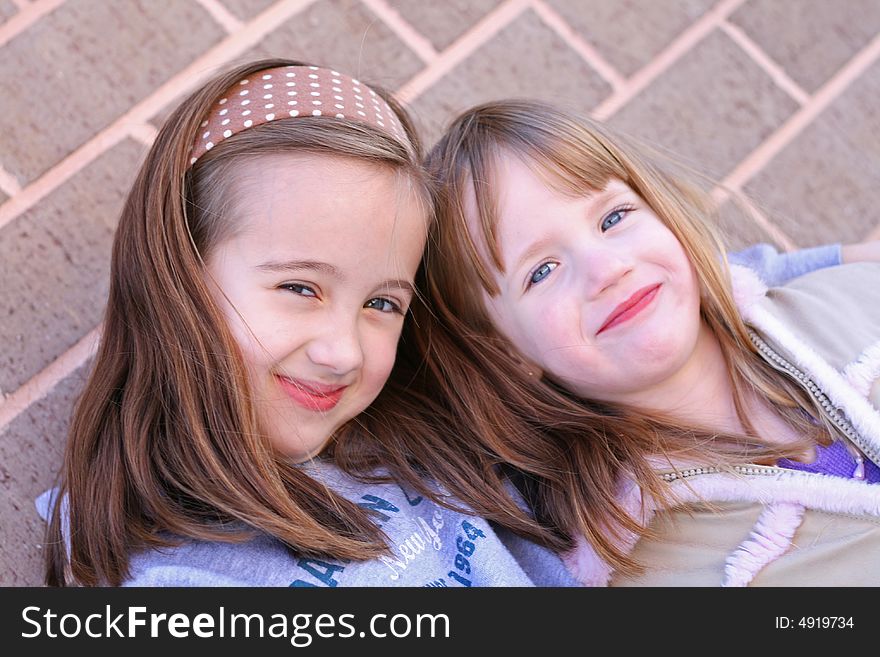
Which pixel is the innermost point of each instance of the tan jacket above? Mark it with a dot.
(766, 525)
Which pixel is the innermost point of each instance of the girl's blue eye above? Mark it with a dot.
(542, 272)
(298, 288)
(383, 305)
(614, 217)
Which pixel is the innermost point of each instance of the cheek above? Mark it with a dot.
(244, 339)
(675, 256)
(689, 296)
(259, 344)
(549, 336)
(676, 261)
(245, 314)
(381, 351)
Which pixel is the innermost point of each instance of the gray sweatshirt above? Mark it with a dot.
(428, 546)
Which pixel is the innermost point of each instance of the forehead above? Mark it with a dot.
(319, 183)
(513, 194)
(325, 205)
(303, 176)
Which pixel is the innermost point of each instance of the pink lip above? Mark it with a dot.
(310, 394)
(640, 300)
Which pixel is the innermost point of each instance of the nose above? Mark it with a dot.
(604, 266)
(337, 346)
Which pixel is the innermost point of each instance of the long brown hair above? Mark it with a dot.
(164, 442)
(569, 453)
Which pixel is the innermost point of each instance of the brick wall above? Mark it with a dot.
(777, 98)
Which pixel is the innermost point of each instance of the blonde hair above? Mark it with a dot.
(525, 422)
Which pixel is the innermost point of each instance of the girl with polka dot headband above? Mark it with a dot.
(263, 271)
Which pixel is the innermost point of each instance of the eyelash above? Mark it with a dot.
(622, 210)
(299, 288)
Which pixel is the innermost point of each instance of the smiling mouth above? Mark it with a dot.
(625, 311)
(310, 395)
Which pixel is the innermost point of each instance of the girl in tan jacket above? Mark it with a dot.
(671, 421)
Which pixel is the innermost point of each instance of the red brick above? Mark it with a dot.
(713, 107)
(343, 34)
(330, 34)
(740, 230)
(54, 262)
(8, 9)
(84, 64)
(552, 70)
(31, 452)
(810, 39)
(443, 22)
(629, 33)
(823, 186)
(246, 9)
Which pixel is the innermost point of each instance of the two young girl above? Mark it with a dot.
(677, 427)
(264, 267)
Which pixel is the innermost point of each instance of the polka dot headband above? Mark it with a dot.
(294, 91)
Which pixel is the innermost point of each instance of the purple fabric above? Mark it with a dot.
(834, 460)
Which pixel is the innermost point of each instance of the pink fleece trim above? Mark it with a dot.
(821, 492)
(840, 391)
(585, 564)
(865, 370)
(587, 567)
(748, 288)
(770, 538)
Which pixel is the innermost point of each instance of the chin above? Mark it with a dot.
(660, 360)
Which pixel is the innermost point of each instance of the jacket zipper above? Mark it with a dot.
(834, 414)
(836, 417)
(686, 473)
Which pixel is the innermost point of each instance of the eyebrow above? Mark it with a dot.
(299, 265)
(536, 247)
(325, 268)
(406, 286)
